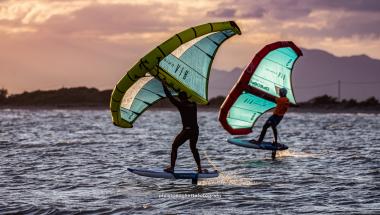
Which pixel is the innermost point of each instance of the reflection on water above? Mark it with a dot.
(69, 161)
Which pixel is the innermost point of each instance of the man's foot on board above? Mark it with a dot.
(200, 170)
(276, 144)
(169, 169)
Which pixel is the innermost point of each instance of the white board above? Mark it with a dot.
(178, 173)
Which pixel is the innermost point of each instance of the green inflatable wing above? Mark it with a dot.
(258, 87)
(183, 62)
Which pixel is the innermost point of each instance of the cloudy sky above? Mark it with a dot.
(56, 43)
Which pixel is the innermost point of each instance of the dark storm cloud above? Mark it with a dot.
(352, 5)
(289, 9)
(356, 26)
(253, 13)
(231, 12)
(222, 12)
(361, 17)
(284, 9)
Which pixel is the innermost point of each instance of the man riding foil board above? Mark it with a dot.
(190, 131)
(282, 105)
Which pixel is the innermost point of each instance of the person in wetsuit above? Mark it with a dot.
(190, 131)
(278, 113)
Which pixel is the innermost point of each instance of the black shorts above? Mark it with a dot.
(274, 120)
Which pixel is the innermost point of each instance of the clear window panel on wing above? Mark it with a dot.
(247, 109)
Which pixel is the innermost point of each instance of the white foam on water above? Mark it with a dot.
(226, 178)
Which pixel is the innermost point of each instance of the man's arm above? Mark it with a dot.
(169, 95)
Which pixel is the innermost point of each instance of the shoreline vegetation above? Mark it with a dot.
(92, 98)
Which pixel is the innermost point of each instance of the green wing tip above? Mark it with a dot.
(122, 124)
(236, 27)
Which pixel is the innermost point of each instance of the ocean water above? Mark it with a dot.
(75, 162)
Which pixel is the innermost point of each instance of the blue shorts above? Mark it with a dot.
(274, 120)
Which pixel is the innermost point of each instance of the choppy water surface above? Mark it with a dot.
(70, 161)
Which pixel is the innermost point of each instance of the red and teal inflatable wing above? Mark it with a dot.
(258, 87)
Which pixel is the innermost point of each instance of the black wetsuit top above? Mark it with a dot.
(188, 111)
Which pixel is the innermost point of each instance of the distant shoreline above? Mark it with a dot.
(342, 111)
(83, 98)
(200, 109)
